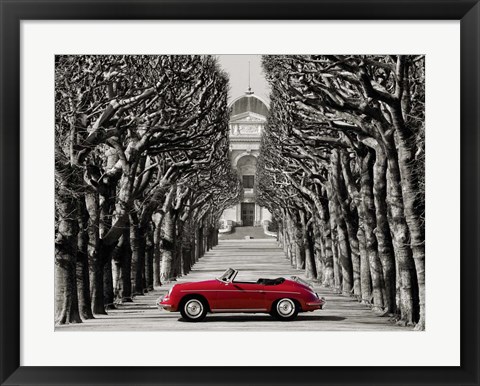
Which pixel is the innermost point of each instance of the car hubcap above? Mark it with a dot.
(194, 308)
(285, 307)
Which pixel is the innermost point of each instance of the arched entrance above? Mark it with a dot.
(249, 115)
(246, 167)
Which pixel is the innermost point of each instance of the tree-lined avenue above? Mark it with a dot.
(254, 259)
(143, 174)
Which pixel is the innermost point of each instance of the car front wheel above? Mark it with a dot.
(284, 309)
(193, 310)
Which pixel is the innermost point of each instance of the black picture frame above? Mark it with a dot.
(12, 12)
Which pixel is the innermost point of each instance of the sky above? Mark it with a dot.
(237, 67)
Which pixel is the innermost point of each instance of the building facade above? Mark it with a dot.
(247, 120)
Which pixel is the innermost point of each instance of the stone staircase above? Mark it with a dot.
(239, 233)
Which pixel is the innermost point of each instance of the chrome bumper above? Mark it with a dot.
(160, 306)
(319, 304)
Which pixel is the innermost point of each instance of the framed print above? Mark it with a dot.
(239, 193)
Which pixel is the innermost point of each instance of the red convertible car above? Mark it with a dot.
(281, 298)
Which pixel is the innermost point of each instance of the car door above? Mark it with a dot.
(240, 296)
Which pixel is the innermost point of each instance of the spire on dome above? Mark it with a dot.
(249, 91)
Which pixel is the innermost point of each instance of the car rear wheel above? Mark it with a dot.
(284, 309)
(193, 310)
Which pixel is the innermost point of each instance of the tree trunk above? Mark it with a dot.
(96, 262)
(168, 234)
(307, 242)
(178, 257)
(66, 296)
(368, 210)
(300, 241)
(108, 294)
(83, 282)
(310, 267)
(198, 245)
(337, 271)
(337, 268)
(401, 239)
(288, 242)
(201, 240)
(285, 235)
(344, 259)
(382, 230)
(137, 245)
(326, 235)
(365, 279)
(319, 250)
(149, 252)
(107, 203)
(344, 250)
(117, 271)
(348, 242)
(127, 293)
(157, 255)
(354, 215)
(121, 269)
(411, 192)
(192, 231)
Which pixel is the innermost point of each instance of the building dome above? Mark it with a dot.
(249, 102)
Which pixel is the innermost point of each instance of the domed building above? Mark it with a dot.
(247, 120)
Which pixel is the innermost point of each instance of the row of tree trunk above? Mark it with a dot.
(342, 169)
(348, 244)
(101, 277)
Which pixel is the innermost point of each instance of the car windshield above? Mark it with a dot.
(301, 281)
(228, 275)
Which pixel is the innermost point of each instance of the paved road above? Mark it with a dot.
(254, 259)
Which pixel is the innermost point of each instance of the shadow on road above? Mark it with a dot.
(265, 318)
